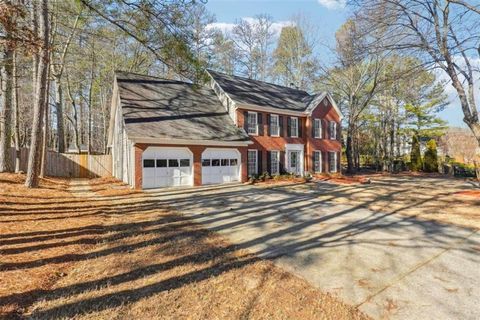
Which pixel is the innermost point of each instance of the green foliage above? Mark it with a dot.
(415, 155)
(431, 158)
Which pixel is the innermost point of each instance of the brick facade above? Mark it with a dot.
(263, 142)
(197, 151)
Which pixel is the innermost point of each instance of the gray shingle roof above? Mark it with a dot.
(168, 109)
(248, 91)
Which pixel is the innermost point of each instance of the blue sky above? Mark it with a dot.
(328, 15)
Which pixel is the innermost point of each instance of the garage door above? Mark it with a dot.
(167, 167)
(220, 166)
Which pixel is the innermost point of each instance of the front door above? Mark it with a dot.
(294, 162)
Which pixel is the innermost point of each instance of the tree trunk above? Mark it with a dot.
(6, 111)
(349, 150)
(16, 115)
(39, 101)
(59, 113)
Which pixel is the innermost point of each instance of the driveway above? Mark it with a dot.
(389, 265)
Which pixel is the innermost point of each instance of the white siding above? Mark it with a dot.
(227, 103)
(122, 149)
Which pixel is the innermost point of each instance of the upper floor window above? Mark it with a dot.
(333, 130)
(293, 127)
(317, 128)
(274, 125)
(252, 123)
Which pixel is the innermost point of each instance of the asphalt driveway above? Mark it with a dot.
(389, 265)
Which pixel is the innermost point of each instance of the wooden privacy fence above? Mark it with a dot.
(70, 165)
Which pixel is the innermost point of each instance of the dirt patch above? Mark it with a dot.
(129, 257)
(470, 193)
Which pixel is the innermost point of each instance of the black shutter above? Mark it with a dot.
(268, 125)
(245, 121)
(282, 162)
(339, 132)
(313, 127)
(300, 127)
(259, 162)
(260, 124)
(289, 125)
(280, 122)
(269, 162)
(313, 162)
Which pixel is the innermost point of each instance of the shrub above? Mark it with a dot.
(415, 155)
(431, 158)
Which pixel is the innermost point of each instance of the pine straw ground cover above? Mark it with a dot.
(126, 256)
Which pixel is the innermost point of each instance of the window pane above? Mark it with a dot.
(184, 162)
(215, 162)
(224, 162)
(274, 163)
(173, 163)
(252, 123)
(206, 163)
(149, 163)
(274, 126)
(161, 163)
(233, 162)
(294, 127)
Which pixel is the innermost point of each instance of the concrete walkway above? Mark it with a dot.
(81, 188)
(389, 265)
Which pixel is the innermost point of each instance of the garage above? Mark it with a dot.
(220, 166)
(167, 167)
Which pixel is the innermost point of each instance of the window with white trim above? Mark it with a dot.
(317, 128)
(274, 125)
(293, 127)
(252, 123)
(333, 130)
(332, 161)
(317, 161)
(252, 162)
(274, 162)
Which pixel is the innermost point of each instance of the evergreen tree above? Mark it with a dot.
(431, 158)
(415, 155)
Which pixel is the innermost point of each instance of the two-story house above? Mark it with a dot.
(171, 133)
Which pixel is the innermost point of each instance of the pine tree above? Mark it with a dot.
(431, 158)
(415, 155)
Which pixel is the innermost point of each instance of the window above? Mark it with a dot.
(293, 127)
(184, 162)
(274, 125)
(173, 163)
(224, 162)
(333, 130)
(233, 162)
(252, 162)
(148, 163)
(274, 163)
(206, 163)
(252, 123)
(317, 128)
(215, 162)
(161, 163)
(332, 161)
(317, 161)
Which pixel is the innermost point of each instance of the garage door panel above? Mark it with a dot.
(223, 168)
(173, 167)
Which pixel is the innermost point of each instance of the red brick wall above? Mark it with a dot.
(326, 114)
(197, 160)
(267, 143)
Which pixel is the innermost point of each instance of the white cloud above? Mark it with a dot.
(333, 4)
(227, 27)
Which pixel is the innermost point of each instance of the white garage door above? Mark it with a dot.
(167, 167)
(220, 166)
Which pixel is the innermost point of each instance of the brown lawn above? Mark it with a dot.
(426, 196)
(121, 255)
